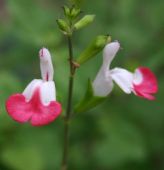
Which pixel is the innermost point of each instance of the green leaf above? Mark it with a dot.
(87, 19)
(89, 100)
(94, 48)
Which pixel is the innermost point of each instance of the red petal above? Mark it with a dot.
(16, 107)
(33, 111)
(46, 114)
(145, 95)
(148, 84)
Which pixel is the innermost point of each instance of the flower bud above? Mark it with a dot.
(94, 48)
(75, 12)
(67, 11)
(87, 19)
(63, 25)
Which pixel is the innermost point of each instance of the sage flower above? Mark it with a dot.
(37, 104)
(142, 82)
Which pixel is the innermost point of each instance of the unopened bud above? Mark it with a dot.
(102, 40)
(87, 19)
(75, 12)
(63, 25)
(94, 48)
(67, 11)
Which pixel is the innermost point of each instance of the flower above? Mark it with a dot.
(142, 82)
(37, 104)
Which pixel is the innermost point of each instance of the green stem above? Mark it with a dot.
(69, 107)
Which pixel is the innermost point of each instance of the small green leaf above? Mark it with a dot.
(89, 101)
(87, 19)
(94, 48)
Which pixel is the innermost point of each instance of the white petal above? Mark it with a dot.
(137, 78)
(28, 92)
(102, 85)
(46, 66)
(48, 92)
(109, 53)
(123, 78)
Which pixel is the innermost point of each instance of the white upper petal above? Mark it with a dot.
(109, 53)
(46, 66)
(47, 91)
(123, 79)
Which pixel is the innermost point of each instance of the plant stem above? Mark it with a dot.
(69, 107)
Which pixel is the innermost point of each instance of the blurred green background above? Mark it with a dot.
(125, 132)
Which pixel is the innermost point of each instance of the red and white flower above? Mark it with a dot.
(142, 82)
(37, 104)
